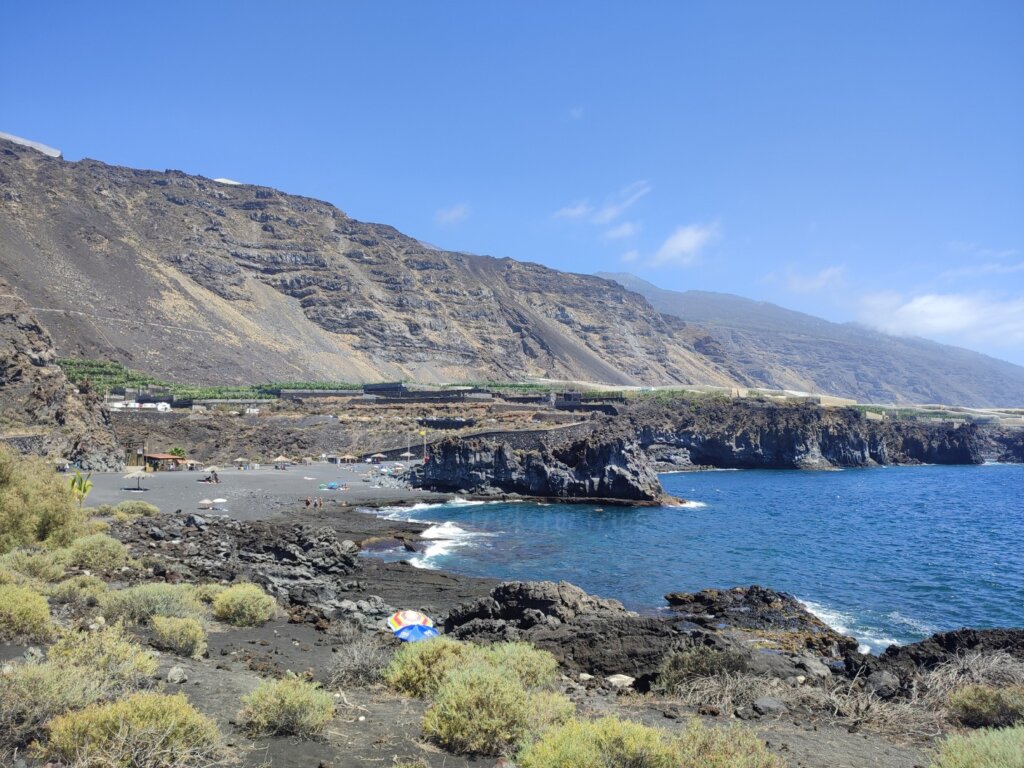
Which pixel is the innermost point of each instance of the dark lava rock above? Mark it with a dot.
(761, 610)
(585, 633)
(612, 469)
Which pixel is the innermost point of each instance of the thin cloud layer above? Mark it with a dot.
(453, 215)
(684, 246)
(970, 317)
(812, 283)
(623, 230)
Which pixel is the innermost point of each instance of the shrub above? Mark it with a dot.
(98, 552)
(614, 743)
(185, 637)
(144, 729)
(985, 706)
(481, 710)
(141, 603)
(699, 661)
(110, 651)
(734, 747)
(987, 748)
(132, 510)
(32, 694)
(244, 605)
(90, 527)
(79, 590)
(419, 668)
(207, 593)
(40, 565)
(360, 659)
(534, 668)
(23, 612)
(36, 504)
(288, 706)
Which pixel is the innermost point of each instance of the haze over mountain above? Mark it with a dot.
(781, 348)
(211, 282)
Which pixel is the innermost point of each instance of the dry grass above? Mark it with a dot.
(920, 716)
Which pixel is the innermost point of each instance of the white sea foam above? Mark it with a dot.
(693, 504)
(871, 640)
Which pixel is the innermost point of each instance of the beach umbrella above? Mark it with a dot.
(400, 619)
(282, 460)
(138, 475)
(407, 455)
(204, 503)
(415, 632)
(220, 501)
(240, 460)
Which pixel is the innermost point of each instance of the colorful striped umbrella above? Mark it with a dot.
(401, 619)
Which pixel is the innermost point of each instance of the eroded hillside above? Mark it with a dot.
(192, 279)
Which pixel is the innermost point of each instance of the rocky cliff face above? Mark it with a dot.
(595, 468)
(752, 434)
(195, 280)
(39, 410)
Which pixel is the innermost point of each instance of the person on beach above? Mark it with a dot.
(309, 502)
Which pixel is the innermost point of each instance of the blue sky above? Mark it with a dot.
(859, 161)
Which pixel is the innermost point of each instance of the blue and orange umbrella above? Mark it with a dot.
(416, 632)
(400, 619)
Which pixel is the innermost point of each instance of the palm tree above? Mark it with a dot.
(80, 486)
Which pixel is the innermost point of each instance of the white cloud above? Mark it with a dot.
(630, 256)
(811, 283)
(575, 211)
(683, 246)
(620, 203)
(974, 317)
(623, 230)
(453, 215)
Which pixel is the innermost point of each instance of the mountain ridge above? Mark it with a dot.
(195, 280)
(787, 349)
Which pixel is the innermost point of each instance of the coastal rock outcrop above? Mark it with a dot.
(585, 633)
(763, 611)
(304, 567)
(750, 434)
(610, 469)
(42, 412)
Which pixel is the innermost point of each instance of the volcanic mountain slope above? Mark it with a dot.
(211, 282)
(40, 412)
(790, 350)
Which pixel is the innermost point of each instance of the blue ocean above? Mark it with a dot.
(889, 555)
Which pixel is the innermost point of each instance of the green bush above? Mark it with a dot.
(534, 668)
(39, 565)
(987, 748)
(698, 661)
(98, 552)
(207, 593)
(288, 706)
(244, 605)
(481, 710)
(132, 510)
(36, 504)
(23, 612)
(419, 668)
(185, 637)
(986, 706)
(78, 590)
(614, 743)
(144, 730)
(110, 651)
(32, 694)
(139, 604)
